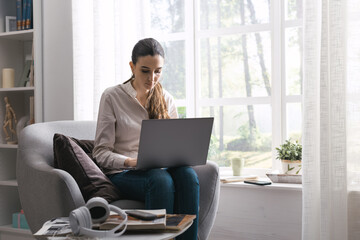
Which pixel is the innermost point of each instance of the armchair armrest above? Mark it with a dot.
(209, 180)
(61, 191)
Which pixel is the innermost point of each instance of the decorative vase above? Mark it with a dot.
(237, 165)
(291, 167)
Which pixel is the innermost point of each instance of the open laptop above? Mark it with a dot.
(174, 142)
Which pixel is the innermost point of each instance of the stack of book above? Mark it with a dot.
(24, 14)
(231, 179)
(165, 223)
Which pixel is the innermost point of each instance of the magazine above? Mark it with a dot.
(231, 179)
(136, 224)
(172, 222)
(55, 227)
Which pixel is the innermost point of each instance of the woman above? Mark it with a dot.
(122, 109)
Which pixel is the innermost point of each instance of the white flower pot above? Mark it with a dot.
(291, 167)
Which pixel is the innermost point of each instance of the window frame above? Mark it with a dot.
(278, 100)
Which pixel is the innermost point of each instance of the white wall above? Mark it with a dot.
(258, 213)
(269, 213)
(57, 60)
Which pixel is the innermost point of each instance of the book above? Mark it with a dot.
(134, 223)
(24, 9)
(25, 76)
(31, 77)
(32, 110)
(231, 179)
(18, 14)
(176, 222)
(28, 20)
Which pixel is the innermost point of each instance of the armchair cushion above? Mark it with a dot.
(73, 156)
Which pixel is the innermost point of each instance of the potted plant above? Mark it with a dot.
(290, 154)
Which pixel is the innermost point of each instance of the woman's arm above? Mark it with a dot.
(105, 137)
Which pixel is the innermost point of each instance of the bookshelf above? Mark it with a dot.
(16, 47)
(23, 35)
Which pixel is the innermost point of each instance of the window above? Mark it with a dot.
(239, 62)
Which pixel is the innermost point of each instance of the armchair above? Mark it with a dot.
(46, 192)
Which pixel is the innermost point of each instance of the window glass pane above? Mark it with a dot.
(234, 136)
(293, 120)
(352, 94)
(173, 76)
(167, 15)
(293, 60)
(228, 13)
(236, 66)
(293, 9)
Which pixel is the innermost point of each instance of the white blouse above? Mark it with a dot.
(119, 124)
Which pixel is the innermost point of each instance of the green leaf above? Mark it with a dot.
(289, 150)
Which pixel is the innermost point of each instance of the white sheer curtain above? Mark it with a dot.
(104, 33)
(331, 127)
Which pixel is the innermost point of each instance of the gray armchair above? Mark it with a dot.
(46, 192)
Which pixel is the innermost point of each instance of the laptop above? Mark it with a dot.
(174, 142)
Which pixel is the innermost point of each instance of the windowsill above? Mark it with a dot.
(273, 186)
(227, 172)
(261, 173)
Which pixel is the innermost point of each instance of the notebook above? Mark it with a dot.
(174, 142)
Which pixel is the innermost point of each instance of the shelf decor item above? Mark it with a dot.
(290, 154)
(8, 78)
(9, 123)
(19, 220)
(10, 23)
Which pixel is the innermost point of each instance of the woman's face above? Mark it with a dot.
(147, 72)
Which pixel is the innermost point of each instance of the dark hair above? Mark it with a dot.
(146, 47)
(156, 105)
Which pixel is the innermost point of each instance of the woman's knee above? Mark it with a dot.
(185, 174)
(160, 180)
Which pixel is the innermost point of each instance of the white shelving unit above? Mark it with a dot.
(15, 48)
(23, 35)
(17, 89)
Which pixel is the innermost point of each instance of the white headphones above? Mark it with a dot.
(96, 210)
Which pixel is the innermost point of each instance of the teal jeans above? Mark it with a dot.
(175, 189)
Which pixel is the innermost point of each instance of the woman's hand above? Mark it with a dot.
(130, 162)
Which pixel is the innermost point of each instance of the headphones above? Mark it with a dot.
(96, 210)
